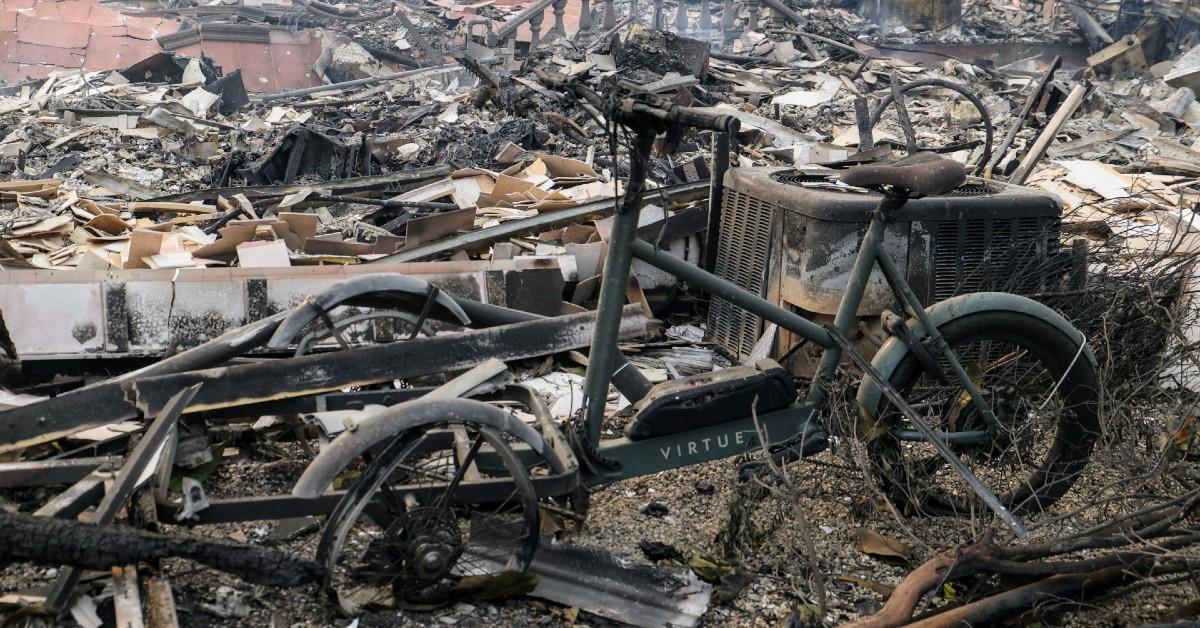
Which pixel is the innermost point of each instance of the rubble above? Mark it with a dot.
(214, 258)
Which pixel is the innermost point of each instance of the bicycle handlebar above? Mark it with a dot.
(642, 110)
(632, 110)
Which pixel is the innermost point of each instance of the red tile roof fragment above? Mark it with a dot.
(51, 32)
(53, 55)
(42, 36)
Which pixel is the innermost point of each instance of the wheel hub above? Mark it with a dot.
(428, 539)
(431, 558)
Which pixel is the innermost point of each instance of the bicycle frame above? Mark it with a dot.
(640, 457)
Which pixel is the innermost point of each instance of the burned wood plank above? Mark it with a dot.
(295, 377)
(1064, 113)
(77, 498)
(127, 599)
(59, 416)
(43, 472)
(329, 402)
(160, 603)
(312, 374)
(1030, 102)
(123, 486)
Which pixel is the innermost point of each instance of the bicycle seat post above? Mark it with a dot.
(891, 201)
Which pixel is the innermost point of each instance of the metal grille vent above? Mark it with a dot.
(798, 178)
(742, 259)
(1007, 255)
(972, 189)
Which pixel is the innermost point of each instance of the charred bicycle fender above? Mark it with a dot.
(382, 289)
(393, 420)
(894, 349)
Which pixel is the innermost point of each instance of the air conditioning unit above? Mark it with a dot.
(792, 236)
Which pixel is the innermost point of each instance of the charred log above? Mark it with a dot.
(54, 542)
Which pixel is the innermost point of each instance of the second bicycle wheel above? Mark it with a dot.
(439, 509)
(1039, 386)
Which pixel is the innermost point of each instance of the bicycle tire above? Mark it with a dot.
(1077, 426)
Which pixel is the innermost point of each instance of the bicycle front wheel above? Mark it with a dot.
(1040, 387)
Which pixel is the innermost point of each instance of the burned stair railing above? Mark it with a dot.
(602, 19)
(534, 16)
(598, 22)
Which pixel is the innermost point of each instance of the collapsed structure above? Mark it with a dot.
(236, 232)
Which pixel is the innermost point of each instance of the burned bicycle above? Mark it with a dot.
(989, 385)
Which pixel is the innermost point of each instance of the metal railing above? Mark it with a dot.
(601, 22)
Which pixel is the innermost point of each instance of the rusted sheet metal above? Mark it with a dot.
(73, 314)
(270, 380)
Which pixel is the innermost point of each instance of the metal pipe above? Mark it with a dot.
(606, 35)
(825, 40)
(847, 312)
(612, 290)
(541, 223)
(784, 10)
(380, 202)
(357, 82)
(720, 163)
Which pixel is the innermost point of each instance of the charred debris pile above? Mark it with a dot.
(385, 186)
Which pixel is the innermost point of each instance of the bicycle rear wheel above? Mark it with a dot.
(427, 518)
(1040, 387)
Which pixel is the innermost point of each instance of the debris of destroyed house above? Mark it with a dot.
(321, 212)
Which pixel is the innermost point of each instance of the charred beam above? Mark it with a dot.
(306, 375)
(122, 488)
(233, 386)
(77, 498)
(53, 542)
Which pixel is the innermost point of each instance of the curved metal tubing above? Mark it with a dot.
(388, 422)
(392, 289)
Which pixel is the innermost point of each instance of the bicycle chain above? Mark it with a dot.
(581, 442)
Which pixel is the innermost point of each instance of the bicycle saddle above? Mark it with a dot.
(922, 174)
